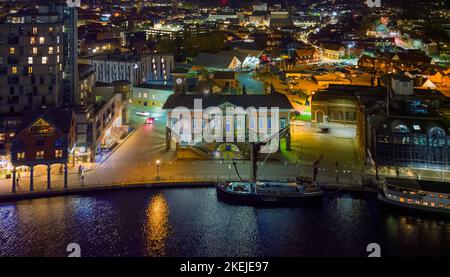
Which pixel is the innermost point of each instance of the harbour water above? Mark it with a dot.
(192, 222)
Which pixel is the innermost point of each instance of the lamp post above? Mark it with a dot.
(158, 164)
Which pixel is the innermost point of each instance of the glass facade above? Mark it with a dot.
(405, 148)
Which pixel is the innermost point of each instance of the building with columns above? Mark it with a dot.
(237, 149)
(45, 138)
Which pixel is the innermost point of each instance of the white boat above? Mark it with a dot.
(429, 196)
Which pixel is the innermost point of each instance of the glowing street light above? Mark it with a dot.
(158, 164)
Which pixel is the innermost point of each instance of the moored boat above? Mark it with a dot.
(263, 193)
(427, 196)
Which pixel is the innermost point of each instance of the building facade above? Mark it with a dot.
(44, 138)
(412, 142)
(34, 58)
(31, 61)
(137, 69)
(234, 141)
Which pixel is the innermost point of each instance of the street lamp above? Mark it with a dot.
(158, 164)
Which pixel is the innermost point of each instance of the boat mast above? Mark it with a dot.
(316, 168)
(254, 160)
(254, 149)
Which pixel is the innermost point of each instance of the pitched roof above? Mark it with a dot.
(217, 60)
(334, 47)
(306, 52)
(224, 75)
(223, 59)
(60, 119)
(215, 100)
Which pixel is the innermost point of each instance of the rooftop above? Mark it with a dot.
(215, 100)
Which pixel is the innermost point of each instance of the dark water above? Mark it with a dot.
(191, 222)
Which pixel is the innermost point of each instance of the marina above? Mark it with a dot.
(191, 222)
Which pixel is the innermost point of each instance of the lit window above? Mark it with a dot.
(39, 155)
(20, 156)
(57, 59)
(57, 49)
(44, 60)
(30, 60)
(58, 154)
(14, 70)
(30, 70)
(35, 30)
(50, 50)
(50, 29)
(35, 51)
(41, 40)
(12, 50)
(32, 40)
(416, 127)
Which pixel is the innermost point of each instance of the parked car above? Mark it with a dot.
(143, 113)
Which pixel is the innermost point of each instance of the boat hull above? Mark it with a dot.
(409, 207)
(265, 199)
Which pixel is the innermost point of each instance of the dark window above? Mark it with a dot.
(40, 143)
(18, 146)
(60, 143)
(13, 80)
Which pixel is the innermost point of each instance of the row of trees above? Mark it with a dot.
(189, 46)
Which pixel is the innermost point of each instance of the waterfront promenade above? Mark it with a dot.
(134, 163)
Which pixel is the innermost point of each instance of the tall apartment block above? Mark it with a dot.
(38, 64)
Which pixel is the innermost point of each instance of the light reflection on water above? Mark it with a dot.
(191, 222)
(157, 226)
